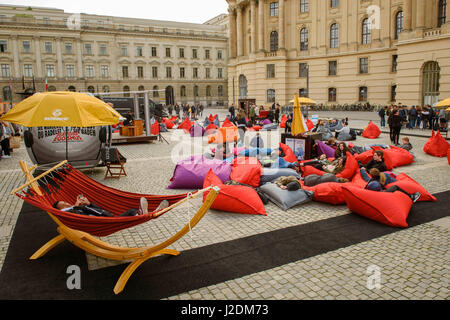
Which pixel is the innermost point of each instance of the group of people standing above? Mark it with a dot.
(7, 131)
(186, 110)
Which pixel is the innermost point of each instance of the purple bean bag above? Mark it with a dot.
(325, 149)
(191, 172)
(265, 122)
(197, 131)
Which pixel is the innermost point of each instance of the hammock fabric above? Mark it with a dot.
(69, 183)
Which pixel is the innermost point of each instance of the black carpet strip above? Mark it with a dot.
(165, 276)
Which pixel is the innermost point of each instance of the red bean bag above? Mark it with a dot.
(436, 146)
(388, 208)
(365, 157)
(255, 128)
(185, 125)
(289, 154)
(211, 128)
(283, 121)
(247, 171)
(169, 124)
(351, 166)
(412, 186)
(399, 157)
(227, 123)
(154, 129)
(173, 119)
(309, 125)
(358, 180)
(211, 118)
(372, 131)
(234, 198)
(330, 192)
(448, 156)
(309, 170)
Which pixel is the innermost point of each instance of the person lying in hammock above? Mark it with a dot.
(84, 207)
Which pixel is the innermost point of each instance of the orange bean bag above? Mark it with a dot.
(234, 198)
(247, 171)
(372, 131)
(436, 146)
(289, 154)
(388, 208)
(412, 186)
(329, 192)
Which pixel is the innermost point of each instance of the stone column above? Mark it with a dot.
(240, 36)
(60, 72)
(281, 36)
(253, 24)
(15, 48)
(79, 59)
(407, 15)
(420, 14)
(261, 25)
(37, 46)
(232, 31)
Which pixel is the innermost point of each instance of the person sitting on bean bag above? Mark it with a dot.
(336, 166)
(344, 133)
(377, 162)
(317, 163)
(341, 150)
(382, 178)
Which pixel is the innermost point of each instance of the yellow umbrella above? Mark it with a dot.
(298, 125)
(62, 109)
(304, 100)
(443, 103)
(447, 110)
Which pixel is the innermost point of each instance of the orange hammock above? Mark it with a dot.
(66, 183)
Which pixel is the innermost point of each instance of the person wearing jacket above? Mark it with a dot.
(377, 162)
(396, 124)
(5, 134)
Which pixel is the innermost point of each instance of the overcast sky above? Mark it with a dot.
(195, 11)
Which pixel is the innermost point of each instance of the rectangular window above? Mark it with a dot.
(332, 94)
(362, 94)
(105, 71)
(48, 47)
(182, 72)
(393, 93)
(103, 51)
(168, 72)
(270, 71)
(334, 3)
(303, 72)
(124, 51)
(26, 45)
(181, 52)
(154, 52)
(394, 63)
(70, 71)
(6, 71)
(271, 96)
(3, 46)
(140, 72)
(194, 53)
(274, 9)
(155, 72)
(168, 52)
(219, 73)
(139, 52)
(332, 68)
(90, 71)
(208, 73)
(195, 73)
(68, 47)
(50, 70)
(219, 55)
(87, 48)
(304, 6)
(364, 65)
(28, 70)
(124, 71)
(207, 54)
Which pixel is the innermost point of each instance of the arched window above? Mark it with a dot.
(430, 82)
(398, 24)
(442, 14)
(72, 89)
(334, 35)
(106, 89)
(126, 91)
(271, 95)
(51, 88)
(183, 91)
(273, 41)
(155, 92)
(332, 94)
(366, 31)
(195, 91)
(208, 91)
(304, 37)
(220, 91)
(141, 88)
(91, 89)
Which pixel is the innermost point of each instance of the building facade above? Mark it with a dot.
(179, 62)
(339, 51)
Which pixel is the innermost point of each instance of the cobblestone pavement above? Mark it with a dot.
(413, 263)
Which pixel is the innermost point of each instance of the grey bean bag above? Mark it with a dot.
(270, 127)
(269, 174)
(314, 179)
(285, 199)
(335, 126)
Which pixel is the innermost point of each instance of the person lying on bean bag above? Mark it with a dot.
(375, 175)
(290, 183)
(314, 180)
(377, 162)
